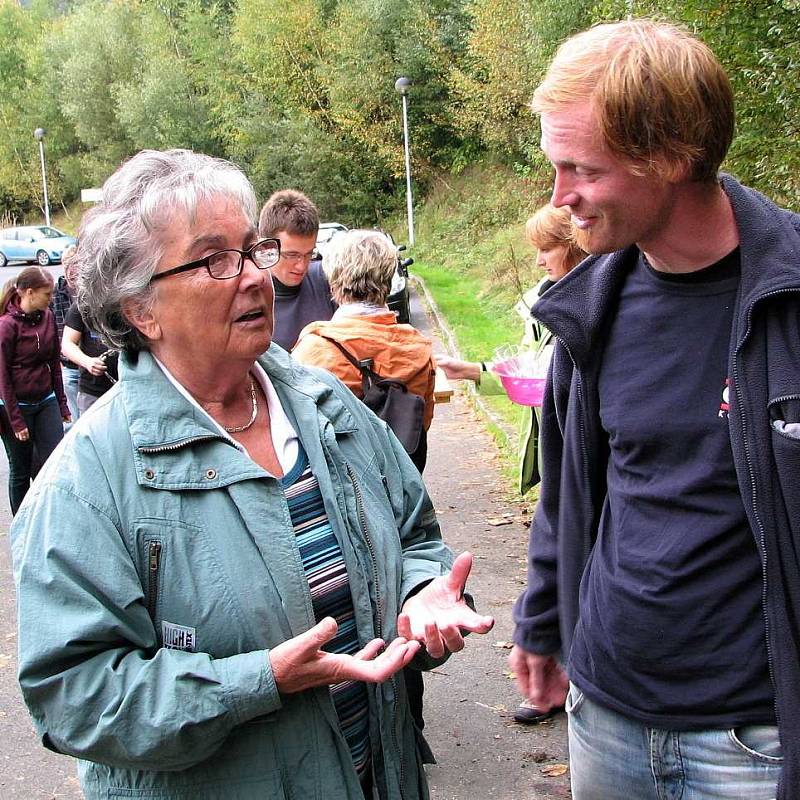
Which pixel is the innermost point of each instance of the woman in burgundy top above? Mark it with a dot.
(31, 391)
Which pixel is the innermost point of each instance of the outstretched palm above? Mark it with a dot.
(437, 615)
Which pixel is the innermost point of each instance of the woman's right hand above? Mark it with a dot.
(299, 663)
(457, 370)
(23, 435)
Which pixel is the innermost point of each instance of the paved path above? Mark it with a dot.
(483, 754)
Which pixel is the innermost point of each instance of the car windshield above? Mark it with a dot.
(326, 234)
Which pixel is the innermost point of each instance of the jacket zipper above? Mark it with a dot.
(362, 521)
(165, 448)
(584, 447)
(762, 535)
(153, 566)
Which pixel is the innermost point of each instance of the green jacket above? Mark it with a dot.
(146, 524)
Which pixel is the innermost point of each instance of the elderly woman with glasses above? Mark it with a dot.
(224, 568)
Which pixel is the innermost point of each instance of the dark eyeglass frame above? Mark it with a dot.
(293, 257)
(204, 262)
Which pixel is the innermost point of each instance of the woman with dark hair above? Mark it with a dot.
(34, 405)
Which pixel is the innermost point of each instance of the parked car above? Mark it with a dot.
(326, 232)
(398, 300)
(38, 244)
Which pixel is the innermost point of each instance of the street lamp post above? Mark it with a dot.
(38, 134)
(402, 85)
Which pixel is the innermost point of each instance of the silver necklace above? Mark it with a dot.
(240, 428)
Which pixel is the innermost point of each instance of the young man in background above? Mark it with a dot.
(302, 294)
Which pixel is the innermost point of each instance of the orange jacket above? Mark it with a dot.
(399, 352)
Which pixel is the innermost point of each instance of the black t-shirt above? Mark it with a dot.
(296, 306)
(93, 346)
(671, 629)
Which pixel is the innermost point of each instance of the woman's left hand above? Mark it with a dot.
(437, 615)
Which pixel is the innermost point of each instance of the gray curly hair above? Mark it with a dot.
(119, 239)
(359, 265)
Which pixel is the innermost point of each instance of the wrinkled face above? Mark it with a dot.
(553, 260)
(296, 252)
(611, 207)
(196, 319)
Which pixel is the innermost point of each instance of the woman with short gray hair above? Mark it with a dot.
(122, 238)
(169, 637)
(359, 265)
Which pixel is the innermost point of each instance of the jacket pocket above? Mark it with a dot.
(153, 549)
(189, 596)
(784, 416)
(263, 786)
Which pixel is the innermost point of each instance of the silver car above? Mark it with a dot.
(39, 244)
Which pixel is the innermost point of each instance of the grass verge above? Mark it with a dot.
(472, 254)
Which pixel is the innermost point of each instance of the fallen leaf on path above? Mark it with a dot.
(496, 709)
(554, 770)
(503, 645)
(499, 521)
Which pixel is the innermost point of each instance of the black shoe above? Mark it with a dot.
(530, 715)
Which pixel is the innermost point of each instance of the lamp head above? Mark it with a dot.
(402, 85)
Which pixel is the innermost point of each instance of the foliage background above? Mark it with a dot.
(302, 94)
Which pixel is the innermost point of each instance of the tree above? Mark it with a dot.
(758, 43)
(508, 48)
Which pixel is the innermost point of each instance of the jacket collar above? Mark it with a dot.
(13, 308)
(578, 308)
(160, 418)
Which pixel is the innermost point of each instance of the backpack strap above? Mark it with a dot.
(364, 366)
(368, 375)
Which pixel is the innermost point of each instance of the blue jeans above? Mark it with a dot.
(613, 757)
(46, 430)
(71, 378)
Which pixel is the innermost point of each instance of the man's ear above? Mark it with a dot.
(674, 171)
(141, 316)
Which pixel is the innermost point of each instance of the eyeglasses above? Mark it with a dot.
(229, 263)
(291, 256)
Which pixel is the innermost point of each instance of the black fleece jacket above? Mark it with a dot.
(764, 369)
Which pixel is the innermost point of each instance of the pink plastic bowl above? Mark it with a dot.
(523, 391)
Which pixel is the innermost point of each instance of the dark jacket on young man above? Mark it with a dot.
(297, 306)
(764, 372)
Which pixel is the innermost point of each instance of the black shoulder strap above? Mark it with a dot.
(368, 375)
